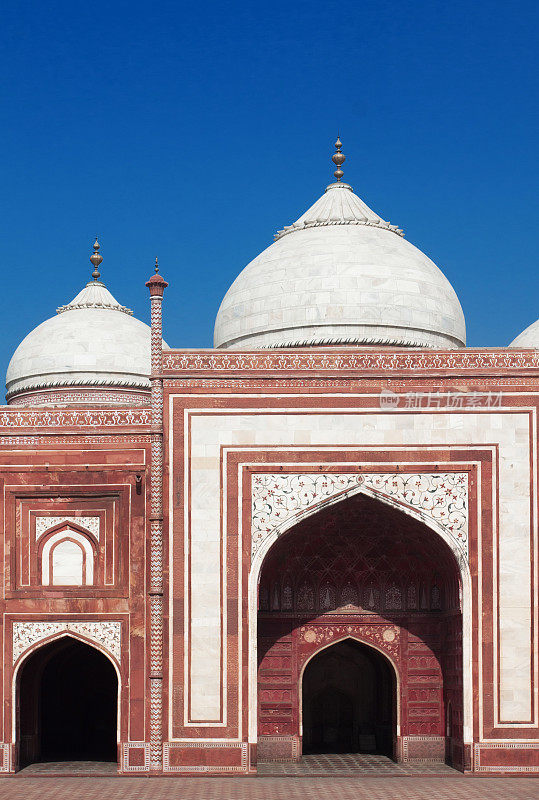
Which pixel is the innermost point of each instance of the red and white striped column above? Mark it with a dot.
(157, 286)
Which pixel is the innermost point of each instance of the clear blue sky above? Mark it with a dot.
(193, 131)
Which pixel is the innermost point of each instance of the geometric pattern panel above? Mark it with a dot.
(106, 633)
(135, 757)
(442, 497)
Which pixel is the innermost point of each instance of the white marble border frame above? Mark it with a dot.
(203, 404)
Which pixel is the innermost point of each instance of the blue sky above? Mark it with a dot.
(195, 131)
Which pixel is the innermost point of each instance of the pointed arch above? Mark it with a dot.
(80, 554)
(458, 555)
(365, 643)
(27, 654)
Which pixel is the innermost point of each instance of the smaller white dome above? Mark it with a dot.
(528, 337)
(92, 342)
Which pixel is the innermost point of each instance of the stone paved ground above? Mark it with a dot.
(351, 764)
(343, 765)
(270, 788)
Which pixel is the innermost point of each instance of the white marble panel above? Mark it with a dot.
(279, 428)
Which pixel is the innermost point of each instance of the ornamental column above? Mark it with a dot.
(157, 286)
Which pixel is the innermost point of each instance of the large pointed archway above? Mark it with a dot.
(364, 570)
(67, 704)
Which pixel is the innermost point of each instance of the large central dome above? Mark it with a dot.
(340, 275)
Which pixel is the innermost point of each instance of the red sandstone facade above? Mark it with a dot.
(322, 537)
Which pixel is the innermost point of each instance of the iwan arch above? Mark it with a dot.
(332, 617)
(319, 536)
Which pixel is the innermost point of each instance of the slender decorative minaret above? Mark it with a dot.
(157, 286)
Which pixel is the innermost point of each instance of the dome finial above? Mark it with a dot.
(96, 258)
(156, 265)
(338, 159)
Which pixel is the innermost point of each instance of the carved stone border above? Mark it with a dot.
(106, 633)
(408, 740)
(100, 418)
(289, 739)
(204, 745)
(441, 497)
(126, 747)
(90, 523)
(5, 757)
(514, 768)
(356, 361)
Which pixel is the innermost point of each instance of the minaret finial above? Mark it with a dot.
(156, 265)
(338, 159)
(96, 258)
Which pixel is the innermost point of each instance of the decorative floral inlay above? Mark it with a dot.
(466, 360)
(106, 633)
(73, 419)
(438, 496)
(386, 637)
(45, 523)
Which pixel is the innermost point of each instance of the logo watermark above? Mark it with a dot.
(446, 400)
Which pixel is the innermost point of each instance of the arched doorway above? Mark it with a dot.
(348, 703)
(365, 570)
(67, 704)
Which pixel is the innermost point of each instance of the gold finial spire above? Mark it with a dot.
(156, 265)
(338, 159)
(96, 258)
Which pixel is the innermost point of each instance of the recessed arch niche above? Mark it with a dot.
(362, 568)
(67, 694)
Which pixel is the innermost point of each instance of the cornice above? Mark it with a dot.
(138, 418)
(100, 382)
(351, 362)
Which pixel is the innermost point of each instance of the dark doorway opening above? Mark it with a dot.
(348, 701)
(68, 695)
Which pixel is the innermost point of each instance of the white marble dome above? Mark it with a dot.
(92, 342)
(528, 338)
(340, 275)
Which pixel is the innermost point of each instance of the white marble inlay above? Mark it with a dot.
(67, 560)
(91, 524)
(106, 633)
(442, 497)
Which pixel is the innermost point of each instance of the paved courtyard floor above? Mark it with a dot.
(344, 765)
(449, 787)
(352, 764)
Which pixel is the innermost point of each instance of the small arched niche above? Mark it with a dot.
(67, 557)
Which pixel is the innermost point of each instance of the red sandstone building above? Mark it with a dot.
(320, 536)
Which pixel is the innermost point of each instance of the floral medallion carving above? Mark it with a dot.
(386, 637)
(106, 633)
(441, 497)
